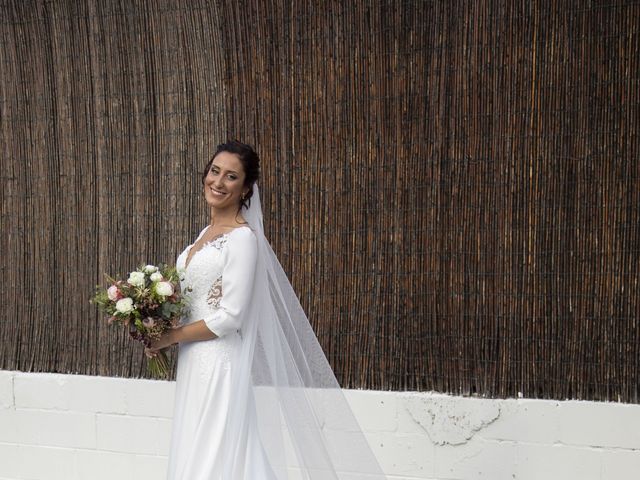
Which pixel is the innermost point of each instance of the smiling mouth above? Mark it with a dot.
(217, 192)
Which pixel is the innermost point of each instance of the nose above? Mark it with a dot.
(217, 182)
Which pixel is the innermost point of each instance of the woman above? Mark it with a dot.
(246, 336)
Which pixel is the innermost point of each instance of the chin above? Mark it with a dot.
(218, 202)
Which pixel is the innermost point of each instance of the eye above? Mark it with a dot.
(232, 177)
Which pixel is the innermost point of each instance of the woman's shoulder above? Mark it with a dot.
(243, 229)
(243, 234)
(242, 243)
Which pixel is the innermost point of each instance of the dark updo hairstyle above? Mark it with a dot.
(250, 162)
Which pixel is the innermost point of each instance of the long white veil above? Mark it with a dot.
(304, 419)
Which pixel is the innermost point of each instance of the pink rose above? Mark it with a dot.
(114, 293)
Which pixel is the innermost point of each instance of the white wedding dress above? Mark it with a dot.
(221, 276)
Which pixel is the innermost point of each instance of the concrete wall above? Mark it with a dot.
(79, 427)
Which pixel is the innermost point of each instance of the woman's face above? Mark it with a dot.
(224, 183)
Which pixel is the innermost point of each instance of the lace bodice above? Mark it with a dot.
(216, 282)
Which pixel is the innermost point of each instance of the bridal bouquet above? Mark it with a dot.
(148, 303)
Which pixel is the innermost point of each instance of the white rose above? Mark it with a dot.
(180, 272)
(164, 288)
(156, 277)
(150, 269)
(136, 279)
(124, 305)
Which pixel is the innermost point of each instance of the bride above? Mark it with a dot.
(255, 396)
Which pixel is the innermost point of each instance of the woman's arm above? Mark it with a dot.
(193, 332)
(236, 284)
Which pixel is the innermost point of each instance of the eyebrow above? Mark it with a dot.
(218, 166)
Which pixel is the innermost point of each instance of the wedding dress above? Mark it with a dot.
(260, 402)
(220, 276)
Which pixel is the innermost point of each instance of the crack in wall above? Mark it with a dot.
(451, 421)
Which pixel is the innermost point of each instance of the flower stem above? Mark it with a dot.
(159, 366)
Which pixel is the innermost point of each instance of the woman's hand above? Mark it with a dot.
(166, 340)
(196, 331)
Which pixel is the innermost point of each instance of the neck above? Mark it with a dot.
(227, 216)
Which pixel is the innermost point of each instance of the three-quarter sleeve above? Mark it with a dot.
(233, 289)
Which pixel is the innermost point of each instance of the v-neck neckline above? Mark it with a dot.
(187, 260)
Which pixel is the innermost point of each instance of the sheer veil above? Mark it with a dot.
(304, 419)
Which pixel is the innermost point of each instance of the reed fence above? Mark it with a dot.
(452, 186)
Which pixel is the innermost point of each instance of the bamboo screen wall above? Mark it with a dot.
(451, 186)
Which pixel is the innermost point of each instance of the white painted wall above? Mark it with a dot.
(70, 427)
